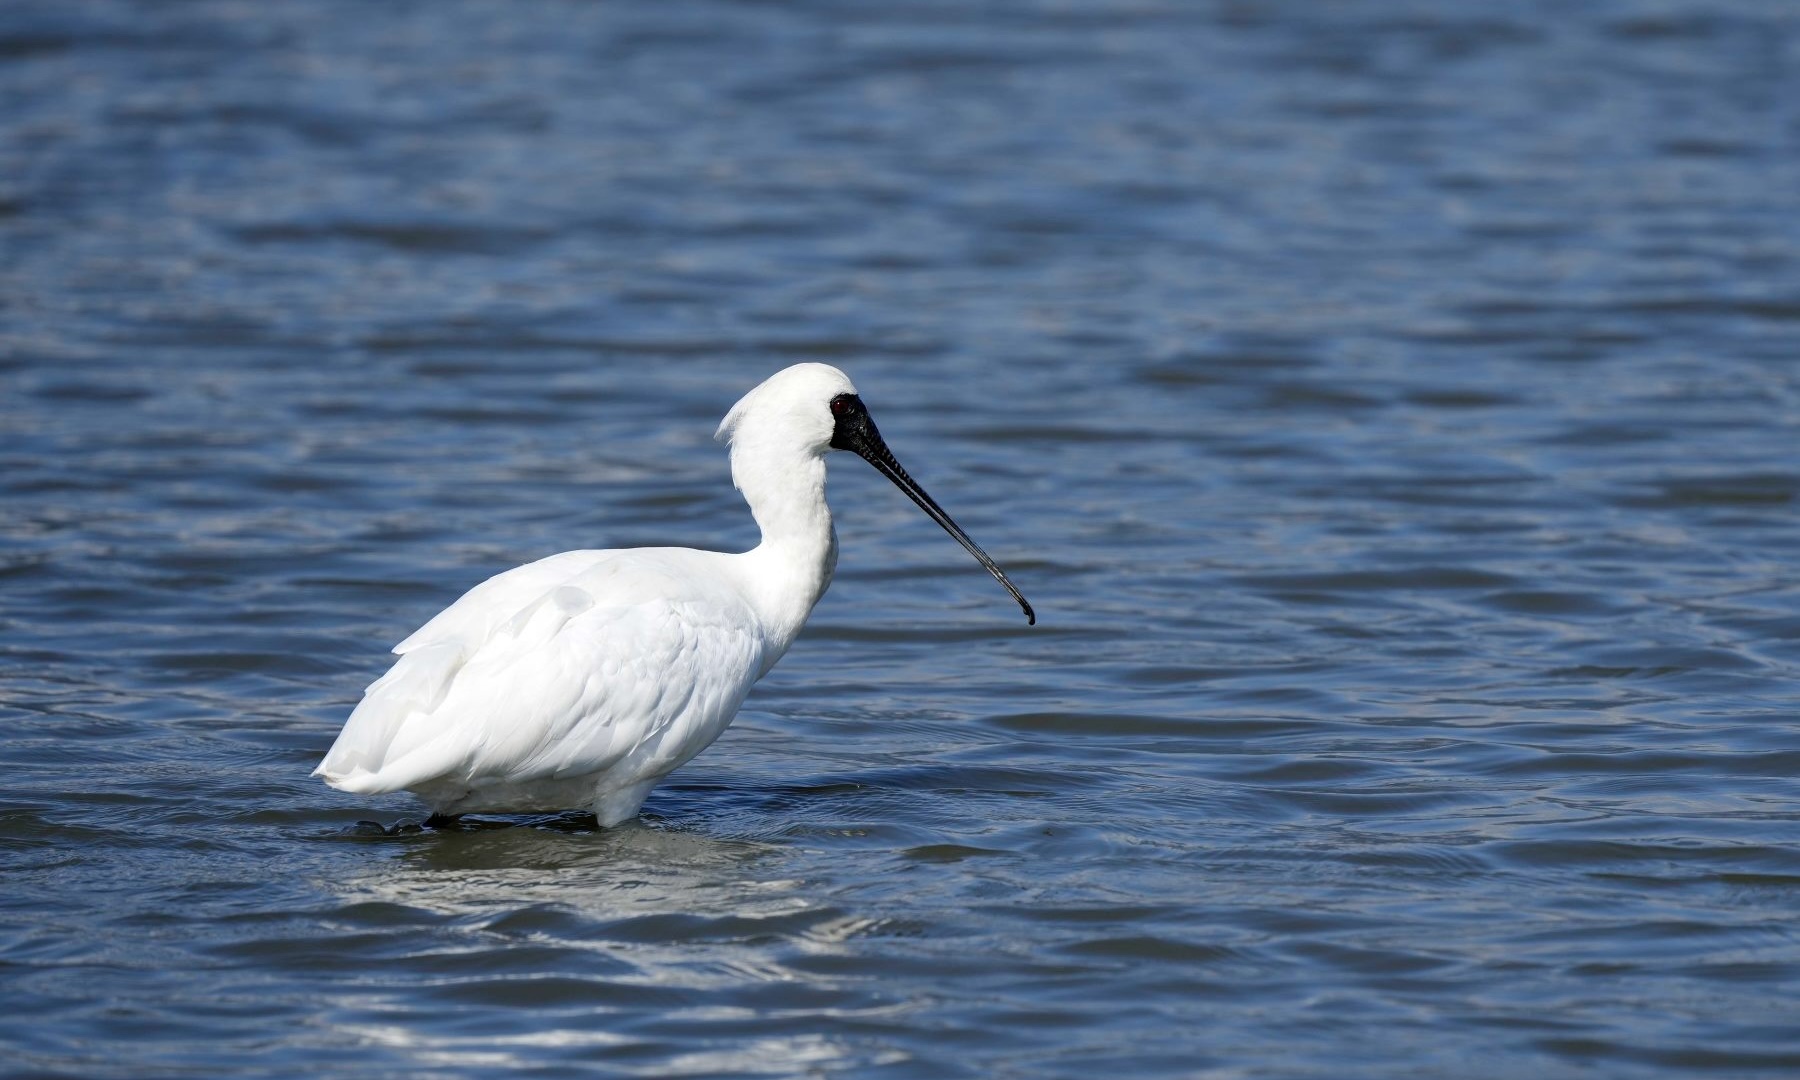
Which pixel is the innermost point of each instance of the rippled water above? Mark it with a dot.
(1390, 409)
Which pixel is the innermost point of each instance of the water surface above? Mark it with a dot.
(1390, 409)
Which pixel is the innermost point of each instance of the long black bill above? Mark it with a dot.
(855, 432)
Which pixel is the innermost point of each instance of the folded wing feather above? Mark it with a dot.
(572, 665)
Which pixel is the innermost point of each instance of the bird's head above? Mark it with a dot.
(792, 408)
(809, 409)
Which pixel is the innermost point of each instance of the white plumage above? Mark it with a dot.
(580, 680)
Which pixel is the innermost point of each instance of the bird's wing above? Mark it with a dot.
(634, 655)
(432, 655)
(475, 614)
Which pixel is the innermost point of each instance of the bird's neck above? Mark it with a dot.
(792, 566)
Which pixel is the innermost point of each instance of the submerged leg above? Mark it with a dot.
(442, 821)
(621, 804)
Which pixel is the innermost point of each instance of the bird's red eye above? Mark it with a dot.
(839, 404)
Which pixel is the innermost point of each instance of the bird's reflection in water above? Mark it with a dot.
(640, 868)
(606, 944)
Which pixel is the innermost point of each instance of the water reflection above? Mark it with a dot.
(603, 875)
(607, 938)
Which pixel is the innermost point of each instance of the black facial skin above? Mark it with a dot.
(855, 432)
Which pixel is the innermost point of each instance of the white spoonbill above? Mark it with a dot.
(580, 680)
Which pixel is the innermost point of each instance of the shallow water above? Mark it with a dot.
(1390, 409)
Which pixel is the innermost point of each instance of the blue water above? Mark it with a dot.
(1389, 407)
